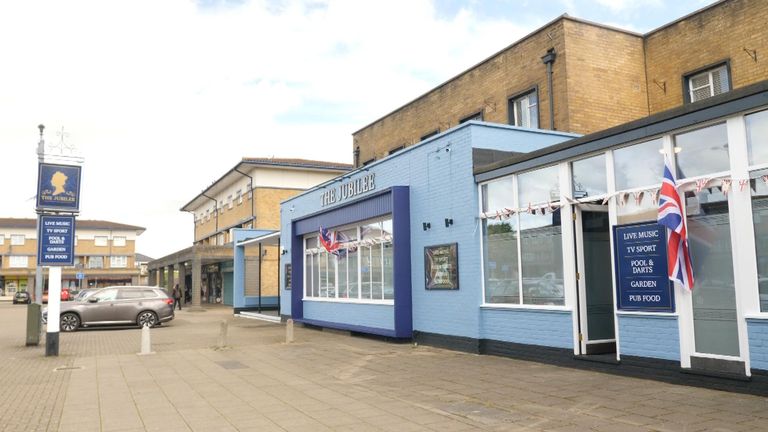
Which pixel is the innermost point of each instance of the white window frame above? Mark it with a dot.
(2, 239)
(92, 265)
(521, 116)
(230, 201)
(725, 84)
(100, 241)
(118, 241)
(118, 261)
(335, 262)
(239, 196)
(18, 261)
(18, 239)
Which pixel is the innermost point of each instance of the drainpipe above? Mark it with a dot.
(549, 59)
(357, 156)
(253, 197)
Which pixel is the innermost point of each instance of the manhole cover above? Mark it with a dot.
(231, 364)
(63, 368)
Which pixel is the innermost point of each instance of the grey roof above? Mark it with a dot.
(79, 224)
(143, 258)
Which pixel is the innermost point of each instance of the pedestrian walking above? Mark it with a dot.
(177, 296)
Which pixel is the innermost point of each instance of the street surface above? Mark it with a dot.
(324, 381)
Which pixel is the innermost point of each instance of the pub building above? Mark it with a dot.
(552, 252)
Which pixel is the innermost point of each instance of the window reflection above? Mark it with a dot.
(589, 177)
(542, 259)
(539, 186)
(757, 137)
(703, 151)
(760, 219)
(638, 165)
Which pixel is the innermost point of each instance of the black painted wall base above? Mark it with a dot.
(639, 367)
(51, 344)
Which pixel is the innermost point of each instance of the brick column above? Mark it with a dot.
(169, 278)
(182, 280)
(197, 270)
(152, 278)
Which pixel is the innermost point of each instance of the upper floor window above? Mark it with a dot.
(396, 149)
(430, 135)
(118, 261)
(2, 239)
(18, 261)
(369, 161)
(100, 240)
(95, 262)
(476, 116)
(239, 197)
(230, 202)
(17, 239)
(524, 110)
(711, 82)
(118, 241)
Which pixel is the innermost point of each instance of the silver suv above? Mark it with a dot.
(117, 305)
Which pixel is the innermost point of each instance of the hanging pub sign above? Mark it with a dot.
(58, 187)
(56, 245)
(642, 282)
(441, 267)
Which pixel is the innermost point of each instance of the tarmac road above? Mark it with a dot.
(324, 381)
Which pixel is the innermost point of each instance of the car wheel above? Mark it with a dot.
(69, 322)
(147, 318)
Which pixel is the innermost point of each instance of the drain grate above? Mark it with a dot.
(231, 364)
(64, 368)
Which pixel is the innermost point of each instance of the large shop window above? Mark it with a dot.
(522, 252)
(636, 167)
(757, 144)
(359, 265)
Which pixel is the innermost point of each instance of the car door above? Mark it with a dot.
(128, 304)
(99, 307)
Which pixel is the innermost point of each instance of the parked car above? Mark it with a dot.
(64, 295)
(22, 297)
(83, 293)
(124, 305)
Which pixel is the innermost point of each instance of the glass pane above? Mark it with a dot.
(539, 186)
(597, 275)
(702, 152)
(542, 259)
(757, 137)
(498, 194)
(389, 286)
(714, 302)
(760, 220)
(315, 275)
(589, 177)
(347, 263)
(638, 165)
(502, 283)
(632, 211)
(376, 271)
(533, 108)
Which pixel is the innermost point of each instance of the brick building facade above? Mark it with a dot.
(601, 76)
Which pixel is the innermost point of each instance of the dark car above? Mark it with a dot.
(124, 305)
(21, 297)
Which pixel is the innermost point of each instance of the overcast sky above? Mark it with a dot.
(163, 96)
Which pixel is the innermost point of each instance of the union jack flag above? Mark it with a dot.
(334, 242)
(671, 216)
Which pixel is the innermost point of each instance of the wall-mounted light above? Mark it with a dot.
(448, 222)
(283, 250)
(426, 225)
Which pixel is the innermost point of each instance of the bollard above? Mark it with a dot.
(146, 343)
(289, 331)
(223, 333)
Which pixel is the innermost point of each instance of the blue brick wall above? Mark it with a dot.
(441, 187)
(551, 328)
(758, 343)
(651, 336)
(365, 315)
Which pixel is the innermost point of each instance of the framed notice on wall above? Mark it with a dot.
(287, 276)
(441, 267)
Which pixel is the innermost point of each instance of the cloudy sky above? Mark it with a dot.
(162, 97)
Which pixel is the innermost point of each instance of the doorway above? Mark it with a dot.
(595, 280)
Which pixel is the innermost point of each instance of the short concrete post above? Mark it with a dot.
(146, 343)
(289, 331)
(223, 333)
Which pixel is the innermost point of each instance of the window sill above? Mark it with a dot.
(350, 301)
(534, 308)
(648, 314)
(757, 316)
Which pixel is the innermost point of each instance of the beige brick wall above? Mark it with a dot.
(717, 34)
(605, 76)
(268, 206)
(485, 88)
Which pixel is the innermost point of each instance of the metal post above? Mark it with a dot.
(54, 310)
(279, 269)
(260, 258)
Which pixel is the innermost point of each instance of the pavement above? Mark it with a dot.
(324, 381)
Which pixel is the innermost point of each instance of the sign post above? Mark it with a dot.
(58, 201)
(642, 282)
